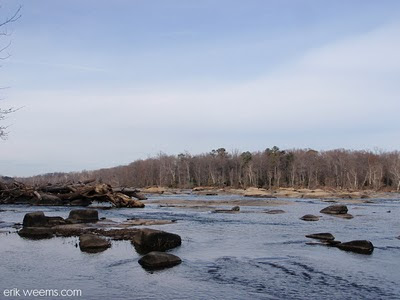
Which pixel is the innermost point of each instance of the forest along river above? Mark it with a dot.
(247, 255)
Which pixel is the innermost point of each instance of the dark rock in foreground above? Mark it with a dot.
(83, 216)
(309, 218)
(148, 240)
(36, 232)
(159, 260)
(326, 236)
(92, 243)
(335, 210)
(359, 246)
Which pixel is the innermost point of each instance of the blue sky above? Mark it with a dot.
(103, 83)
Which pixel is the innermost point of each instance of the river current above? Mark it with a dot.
(248, 255)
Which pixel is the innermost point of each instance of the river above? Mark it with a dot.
(248, 255)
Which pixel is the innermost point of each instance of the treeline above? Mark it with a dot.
(272, 168)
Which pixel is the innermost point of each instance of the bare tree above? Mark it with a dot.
(4, 54)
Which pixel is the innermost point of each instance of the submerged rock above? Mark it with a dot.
(358, 246)
(93, 243)
(275, 211)
(344, 216)
(159, 260)
(83, 216)
(36, 232)
(148, 240)
(234, 209)
(335, 210)
(309, 218)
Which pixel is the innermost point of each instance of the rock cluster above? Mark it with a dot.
(95, 235)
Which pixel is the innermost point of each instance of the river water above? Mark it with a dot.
(249, 255)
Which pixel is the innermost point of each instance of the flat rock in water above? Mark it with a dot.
(275, 211)
(358, 246)
(144, 222)
(344, 216)
(234, 209)
(93, 243)
(309, 218)
(36, 233)
(335, 210)
(321, 236)
(159, 260)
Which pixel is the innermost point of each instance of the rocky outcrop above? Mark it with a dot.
(159, 260)
(83, 216)
(81, 193)
(148, 240)
(335, 210)
(92, 243)
(309, 218)
(358, 246)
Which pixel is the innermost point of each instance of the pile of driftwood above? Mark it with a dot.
(76, 194)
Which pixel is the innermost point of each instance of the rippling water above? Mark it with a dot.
(250, 255)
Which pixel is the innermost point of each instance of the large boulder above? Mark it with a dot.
(148, 240)
(35, 219)
(335, 210)
(83, 216)
(159, 260)
(36, 232)
(309, 218)
(358, 246)
(93, 243)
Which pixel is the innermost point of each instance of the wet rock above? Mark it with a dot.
(54, 221)
(35, 219)
(144, 222)
(344, 216)
(148, 240)
(326, 236)
(36, 232)
(119, 234)
(358, 246)
(71, 230)
(93, 243)
(234, 209)
(335, 210)
(159, 260)
(83, 216)
(275, 211)
(309, 218)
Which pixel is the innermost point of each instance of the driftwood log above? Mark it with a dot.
(82, 194)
